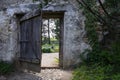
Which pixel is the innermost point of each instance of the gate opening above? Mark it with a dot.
(34, 40)
(50, 42)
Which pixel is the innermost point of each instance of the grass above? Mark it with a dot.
(5, 68)
(97, 72)
(57, 60)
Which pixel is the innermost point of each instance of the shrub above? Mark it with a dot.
(47, 50)
(104, 56)
(56, 48)
(116, 77)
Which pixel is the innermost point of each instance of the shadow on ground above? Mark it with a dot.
(45, 74)
(23, 76)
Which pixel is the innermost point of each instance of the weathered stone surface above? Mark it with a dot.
(4, 34)
(4, 4)
(3, 78)
(22, 8)
(74, 30)
(9, 46)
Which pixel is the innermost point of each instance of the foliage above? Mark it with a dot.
(57, 29)
(96, 72)
(90, 25)
(57, 60)
(105, 56)
(47, 48)
(99, 54)
(103, 60)
(5, 68)
(108, 68)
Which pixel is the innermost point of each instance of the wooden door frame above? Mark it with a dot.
(59, 15)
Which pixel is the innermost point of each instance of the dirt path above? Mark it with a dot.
(46, 74)
(50, 60)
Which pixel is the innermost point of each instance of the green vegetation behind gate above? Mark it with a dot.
(50, 48)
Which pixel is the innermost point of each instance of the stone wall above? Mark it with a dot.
(9, 45)
(4, 35)
(74, 30)
(4, 4)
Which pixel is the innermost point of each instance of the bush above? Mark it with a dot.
(107, 69)
(116, 77)
(104, 56)
(56, 48)
(47, 50)
(5, 68)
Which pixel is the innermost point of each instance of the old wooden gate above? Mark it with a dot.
(30, 41)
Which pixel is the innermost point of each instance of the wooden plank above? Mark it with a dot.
(37, 37)
(31, 34)
(23, 38)
(30, 60)
(30, 44)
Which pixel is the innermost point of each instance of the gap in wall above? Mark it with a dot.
(50, 42)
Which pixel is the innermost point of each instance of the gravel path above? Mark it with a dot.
(49, 60)
(46, 74)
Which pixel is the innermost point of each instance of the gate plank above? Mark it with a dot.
(30, 41)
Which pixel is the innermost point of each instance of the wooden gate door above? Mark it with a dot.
(30, 42)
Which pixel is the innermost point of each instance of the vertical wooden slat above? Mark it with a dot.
(30, 44)
(23, 45)
(36, 36)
